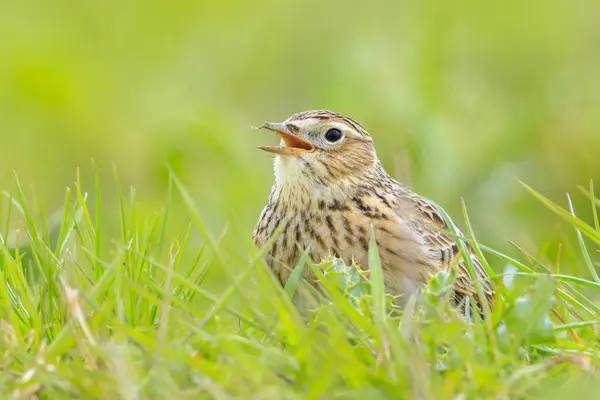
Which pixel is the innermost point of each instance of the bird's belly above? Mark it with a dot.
(347, 237)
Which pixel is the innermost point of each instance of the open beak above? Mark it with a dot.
(293, 144)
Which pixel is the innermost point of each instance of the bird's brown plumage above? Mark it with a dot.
(328, 195)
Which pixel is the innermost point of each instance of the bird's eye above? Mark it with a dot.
(334, 135)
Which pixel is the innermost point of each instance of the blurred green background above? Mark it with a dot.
(460, 97)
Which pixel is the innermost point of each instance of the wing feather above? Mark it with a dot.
(431, 225)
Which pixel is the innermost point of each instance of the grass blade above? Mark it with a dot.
(584, 251)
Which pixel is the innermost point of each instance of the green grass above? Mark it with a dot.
(85, 315)
(138, 313)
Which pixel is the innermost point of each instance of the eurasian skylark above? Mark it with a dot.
(330, 189)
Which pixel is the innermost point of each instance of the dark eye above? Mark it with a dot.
(333, 135)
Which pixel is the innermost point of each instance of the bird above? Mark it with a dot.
(331, 191)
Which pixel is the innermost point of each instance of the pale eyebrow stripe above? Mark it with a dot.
(340, 124)
(359, 139)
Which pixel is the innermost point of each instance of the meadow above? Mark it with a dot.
(131, 184)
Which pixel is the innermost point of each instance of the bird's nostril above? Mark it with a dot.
(292, 128)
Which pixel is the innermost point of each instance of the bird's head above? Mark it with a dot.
(321, 148)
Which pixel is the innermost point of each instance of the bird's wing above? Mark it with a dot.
(432, 228)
